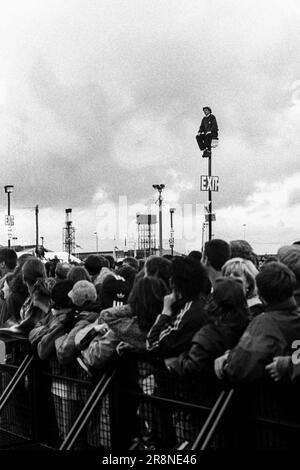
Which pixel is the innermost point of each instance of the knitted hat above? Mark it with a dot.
(290, 256)
(82, 292)
(115, 290)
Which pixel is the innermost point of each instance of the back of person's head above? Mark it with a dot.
(242, 249)
(242, 268)
(9, 258)
(23, 258)
(111, 261)
(59, 294)
(78, 273)
(132, 262)
(168, 257)
(128, 273)
(195, 254)
(290, 256)
(146, 300)
(83, 293)
(33, 270)
(228, 301)
(115, 290)
(61, 270)
(275, 282)
(157, 266)
(94, 263)
(216, 253)
(189, 277)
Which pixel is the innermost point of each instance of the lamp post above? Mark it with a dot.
(244, 226)
(9, 189)
(96, 233)
(159, 188)
(171, 241)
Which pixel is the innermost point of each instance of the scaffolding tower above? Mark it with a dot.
(146, 224)
(69, 234)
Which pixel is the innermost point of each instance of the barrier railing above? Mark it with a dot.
(136, 403)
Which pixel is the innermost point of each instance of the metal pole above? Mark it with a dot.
(202, 244)
(149, 233)
(36, 228)
(8, 212)
(172, 232)
(160, 224)
(209, 201)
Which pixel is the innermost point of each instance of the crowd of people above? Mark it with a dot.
(215, 315)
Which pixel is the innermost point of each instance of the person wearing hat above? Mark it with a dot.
(208, 131)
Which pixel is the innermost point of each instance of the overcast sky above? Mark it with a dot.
(100, 99)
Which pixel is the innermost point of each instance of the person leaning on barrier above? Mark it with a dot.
(37, 304)
(184, 309)
(269, 334)
(127, 324)
(59, 319)
(228, 315)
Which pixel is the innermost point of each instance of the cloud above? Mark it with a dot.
(104, 99)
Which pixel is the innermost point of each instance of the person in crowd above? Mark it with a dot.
(78, 273)
(290, 256)
(16, 295)
(216, 253)
(245, 271)
(184, 309)
(132, 262)
(98, 268)
(54, 334)
(158, 267)
(115, 290)
(127, 324)
(37, 304)
(111, 261)
(60, 317)
(228, 318)
(84, 299)
(132, 322)
(61, 271)
(128, 273)
(8, 262)
(195, 254)
(269, 334)
(282, 366)
(243, 249)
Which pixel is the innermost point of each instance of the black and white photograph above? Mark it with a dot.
(149, 228)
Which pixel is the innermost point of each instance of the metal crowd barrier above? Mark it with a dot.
(135, 403)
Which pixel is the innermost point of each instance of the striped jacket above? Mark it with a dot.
(171, 335)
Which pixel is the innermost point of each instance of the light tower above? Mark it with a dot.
(69, 234)
(159, 188)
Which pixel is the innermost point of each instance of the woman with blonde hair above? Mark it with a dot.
(244, 271)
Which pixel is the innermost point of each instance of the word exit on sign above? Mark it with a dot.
(209, 183)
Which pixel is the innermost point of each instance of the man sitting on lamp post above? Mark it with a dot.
(208, 131)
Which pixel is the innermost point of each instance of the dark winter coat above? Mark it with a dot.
(209, 126)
